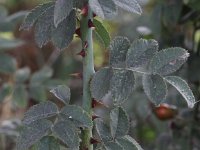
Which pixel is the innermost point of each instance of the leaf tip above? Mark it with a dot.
(84, 10)
(191, 105)
(95, 117)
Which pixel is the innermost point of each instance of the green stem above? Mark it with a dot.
(88, 71)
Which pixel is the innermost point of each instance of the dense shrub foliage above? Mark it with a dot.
(49, 126)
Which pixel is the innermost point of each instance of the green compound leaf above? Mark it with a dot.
(62, 10)
(77, 115)
(182, 86)
(103, 131)
(66, 132)
(140, 53)
(119, 122)
(100, 83)
(7, 64)
(129, 5)
(119, 81)
(33, 133)
(155, 88)
(113, 146)
(63, 34)
(106, 9)
(128, 143)
(47, 143)
(20, 96)
(40, 111)
(43, 27)
(168, 60)
(62, 92)
(118, 49)
(102, 33)
(122, 85)
(34, 15)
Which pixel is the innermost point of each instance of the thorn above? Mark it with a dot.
(85, 45)
(77, 75)
(94, 15)
(84, 11)
(90, 24)
(94, 141)
(96, 103)
(95, 117)
(78, 32)
(82, 53)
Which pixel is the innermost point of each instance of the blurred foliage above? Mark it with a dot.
(27, 73)
(21, 84)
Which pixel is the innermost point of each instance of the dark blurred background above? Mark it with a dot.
(27, 73)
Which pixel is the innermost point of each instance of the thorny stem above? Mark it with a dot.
(88, 71)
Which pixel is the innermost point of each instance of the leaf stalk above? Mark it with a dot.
(88, 71)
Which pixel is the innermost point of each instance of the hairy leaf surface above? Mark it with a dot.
(128, 143)
(182, 86)
(66, 132)
(47, 143)
(129, 5)
(77, 115)
(168, 60)
(62, 10)
(155, 88)
(35, 13)
(140, 53)
(43, 27)
(118, 49)
(33, 133)
(122, 85)
(119, 122)
(40, 111)
(100, 83)
(62, 92)
(103, 130)
(113, 146)
(105, 9)
(63, 34)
